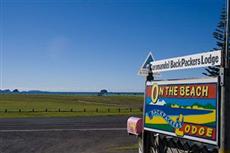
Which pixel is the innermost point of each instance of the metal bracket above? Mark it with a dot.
(221, 76)
(150, 73)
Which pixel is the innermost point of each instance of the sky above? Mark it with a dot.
(89, 45)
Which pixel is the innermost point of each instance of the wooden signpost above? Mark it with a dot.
(190, 109)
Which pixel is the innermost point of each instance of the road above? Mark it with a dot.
(66, 135)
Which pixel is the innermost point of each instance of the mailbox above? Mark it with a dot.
(135, 126)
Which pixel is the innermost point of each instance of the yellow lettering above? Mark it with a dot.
(179, 133)
(170, 91)
(201, 131)
(182, 91)
(205, 91)
(161, 91)
(194, 130)
(209, 132)
(192, 93)
(187, 90)
(187, 128)
(154, 93)
(198, 91)
(166, 88)
(175, 90)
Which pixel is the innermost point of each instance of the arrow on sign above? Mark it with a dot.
(144, 70)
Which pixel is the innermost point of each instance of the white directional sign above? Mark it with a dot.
(186, 62)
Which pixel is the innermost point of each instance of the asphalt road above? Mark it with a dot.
(66, 135)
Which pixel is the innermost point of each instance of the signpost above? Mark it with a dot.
(183, 108)
(225, 90)
(186, 62)
(187, 108)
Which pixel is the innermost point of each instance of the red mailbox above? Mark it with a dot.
(135, 126)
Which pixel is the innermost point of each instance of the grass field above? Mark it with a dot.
(22, 105)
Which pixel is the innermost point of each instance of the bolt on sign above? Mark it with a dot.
(183, 108)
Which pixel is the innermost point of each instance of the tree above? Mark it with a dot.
(220, 36)
(15, 91)
(103, 92)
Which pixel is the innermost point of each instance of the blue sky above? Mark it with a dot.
(67, 45)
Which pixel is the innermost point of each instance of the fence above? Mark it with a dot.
(97, 110)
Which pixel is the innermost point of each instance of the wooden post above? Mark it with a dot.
(146, 135)
(225, 91)
(225, 113)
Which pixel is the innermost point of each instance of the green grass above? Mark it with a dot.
(63, 114)
(26, 103)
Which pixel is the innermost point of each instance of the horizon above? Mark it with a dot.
(66, 46)
(43, 91)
